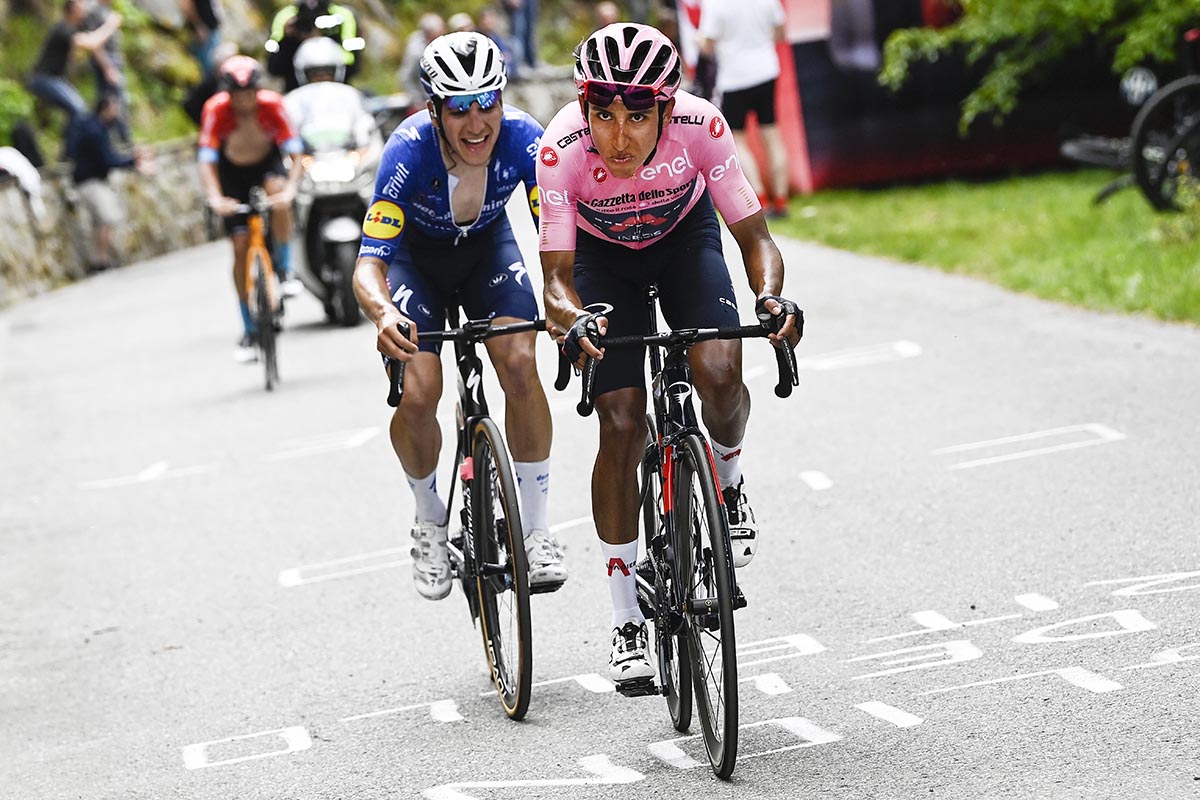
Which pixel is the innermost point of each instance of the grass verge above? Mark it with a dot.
(1038, 234)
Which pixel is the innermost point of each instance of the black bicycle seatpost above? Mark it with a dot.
(395, 370)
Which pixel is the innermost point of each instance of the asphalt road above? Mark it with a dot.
(979, 574)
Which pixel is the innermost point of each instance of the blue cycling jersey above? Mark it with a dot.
(413, 187)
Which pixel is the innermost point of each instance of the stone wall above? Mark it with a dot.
(164, 211)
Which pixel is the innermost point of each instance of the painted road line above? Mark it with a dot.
(156, 471)
(345, 567)
(801, 643)
(812, 735)
(295, 739)
(440, 710)
(931, 621)
(325, 443)
(860, 356)
(1146, 584)
(1169, 657)
(817, 481)
(571, 523)
(592, 681)
(768, 683)
(1076, 676)
(606, 774)
(896, 716)
(670, 753)
(1098, 434)
(1036, 602)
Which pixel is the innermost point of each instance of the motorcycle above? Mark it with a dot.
(342, 151)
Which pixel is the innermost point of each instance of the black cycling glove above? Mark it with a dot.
(772, 321)
(584, 328)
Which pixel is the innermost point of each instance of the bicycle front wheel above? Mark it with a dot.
(502, 573)
(264, 320)
(1166, 145)
(674, 665)
(702, 528)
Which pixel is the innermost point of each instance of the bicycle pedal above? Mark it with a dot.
(639, 687)
(545, 588)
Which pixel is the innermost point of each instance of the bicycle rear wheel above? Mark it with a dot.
(674, 664)
(264, 320)
(502, 577)
(701, 528)
(1166, 145)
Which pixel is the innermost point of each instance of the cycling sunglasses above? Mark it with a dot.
(462, 102)
(636, 98)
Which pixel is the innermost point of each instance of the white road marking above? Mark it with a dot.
(920, 657)
(1101, 435)
(817, 481)
(860, 356)
(440, 710)
(338, 567)
(295, 739)
(812, 735)
(591, 681)
(325, 443)
(156, 471)
(606, 774)
(896, 716)
(935, 621)
(1129, 621)
(1169, 657)
(571, 523)
(768, 683)
(1036, 602)
(669, 753)
(801, 643)
(1146, 581)
(1076, 676)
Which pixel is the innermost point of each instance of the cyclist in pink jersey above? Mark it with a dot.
(627, 180)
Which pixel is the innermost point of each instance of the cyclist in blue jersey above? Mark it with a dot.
(437, 232)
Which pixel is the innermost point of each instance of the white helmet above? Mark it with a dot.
(320, 53)
(460, 63)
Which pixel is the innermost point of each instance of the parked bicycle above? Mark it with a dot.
(487, 555)
(686, 584)
(262, 284)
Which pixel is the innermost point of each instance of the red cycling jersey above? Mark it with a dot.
(217, 121)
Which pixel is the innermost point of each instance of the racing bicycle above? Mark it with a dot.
(262, 284)
(487, 554)
(687, 587)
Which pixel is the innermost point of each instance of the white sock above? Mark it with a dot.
(728, 461)
(533, 484)
(430, 507)
(621, 562)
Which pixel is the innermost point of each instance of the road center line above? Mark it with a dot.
(1101, 434)
(896, 716)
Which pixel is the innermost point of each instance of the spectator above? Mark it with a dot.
(607, 13)
(742, 34)
(90, 147)
(305, 19)
(429, 27)
(460, 22)
(204, 20)
(13, 162)
(108, 66)
(639, 11)
(48, 79)
(193, 104)
(489, 26)
(522, 21)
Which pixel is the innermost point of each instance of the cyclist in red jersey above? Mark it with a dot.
(244, 136)
(627, 181)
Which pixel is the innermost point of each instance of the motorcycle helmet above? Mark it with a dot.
(320, 54)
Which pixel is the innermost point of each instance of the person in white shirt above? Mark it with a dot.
(742, 34)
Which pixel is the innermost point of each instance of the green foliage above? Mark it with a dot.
(1037, 234)
(1014, 41)
(15, 105)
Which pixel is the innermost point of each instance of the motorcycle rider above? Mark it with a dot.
(298, 22)
(319, 61)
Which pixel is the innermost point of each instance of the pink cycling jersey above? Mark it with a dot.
(575, 188)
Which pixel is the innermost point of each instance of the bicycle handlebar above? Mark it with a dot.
(785, 358)
(471, 332)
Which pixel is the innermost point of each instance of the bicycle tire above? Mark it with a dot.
(674, 664)
(1166, 142)
(499, 540)
(1097, 151)
(702, 528)
(264, 320)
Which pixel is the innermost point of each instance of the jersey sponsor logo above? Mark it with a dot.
(535, 203)
(616, 563)
(532, 148)
(689, 119)
(721, 170)
(549, 157)
(573, 136)
(555, 197)
(374, 252)
(716, 128)
(497, 279)
(676, 166)
(518, 271)
(616, 201)
(401, 297)
(599, 174)
(730, 456)
(424, 309)
(396, 182)
(384, 220)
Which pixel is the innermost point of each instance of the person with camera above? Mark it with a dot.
(305, 19)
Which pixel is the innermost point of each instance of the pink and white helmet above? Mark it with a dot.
(629, 54)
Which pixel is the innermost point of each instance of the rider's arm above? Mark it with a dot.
(764, 264)
(371, 289)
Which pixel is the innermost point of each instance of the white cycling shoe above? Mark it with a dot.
(743, 529)
(629, 660)
(431, 561)
(547, 571)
